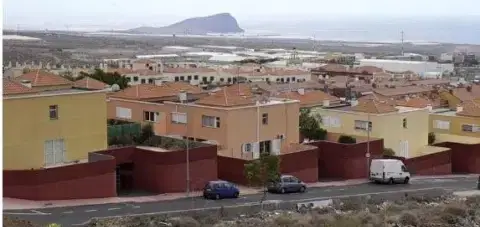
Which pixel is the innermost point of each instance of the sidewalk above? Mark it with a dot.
(18, 204)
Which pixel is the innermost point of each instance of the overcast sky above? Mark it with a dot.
(130, 13)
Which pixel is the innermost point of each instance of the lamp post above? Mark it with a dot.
(367, 154)
(183, 99)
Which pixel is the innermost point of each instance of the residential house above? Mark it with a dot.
(403, 129)
(461, 125)
(44, 81)
(456, 96)
(88, 83)
(311, 99)
(46, 128)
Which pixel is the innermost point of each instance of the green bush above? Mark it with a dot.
(431, 138)
(388, 152)
(347, 139)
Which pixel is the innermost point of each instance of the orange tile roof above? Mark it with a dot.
(374, 107)
(416, 102)
(465, 95)
(121, 71)
(223, 99)
(470, 109)
(236, 90)
(150, 91)
(403, 90)
(188, 70)
(309, 98)
(89, 83)
(39, 78)
(11, 87)
(368, 69)
(334, 68)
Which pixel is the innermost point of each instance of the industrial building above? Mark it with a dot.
(419, 67)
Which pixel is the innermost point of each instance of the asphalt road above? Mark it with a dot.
(71, 216)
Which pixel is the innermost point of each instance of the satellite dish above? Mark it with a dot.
(115, 87)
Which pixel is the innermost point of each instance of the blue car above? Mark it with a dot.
(220, 190)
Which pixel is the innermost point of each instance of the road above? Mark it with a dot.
(71, 216)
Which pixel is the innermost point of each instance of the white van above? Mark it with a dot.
(389, 171)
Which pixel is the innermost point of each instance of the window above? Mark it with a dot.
(182, 78)
(142, 81)
(470, 128)
(204, 79)
(222, 79)
(265, 147)
(404, 122)
(189, 78)
(150, 81)
(438, 124)
(179, 118)
(123, 113)
(229, 80)
(265, 118)
(212, 78)
(54, 152)
(150, 116)
(195, 77)
(247, 147)
(176, 78)
(210, 121)
(363, 125)
(53, 112)
(135, 78)
(329, 121)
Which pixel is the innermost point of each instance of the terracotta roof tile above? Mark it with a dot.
(374, 107)
(224, 99)
(188, 70)
(368, 69)
(465, 95)
(416, 102)
(309, 98)
(470, 109)
(121, 71)
(236, 90)
(150, 91)
(11, 87)
(334, 68)
(89, 83)
(404, 90)
(39, 78)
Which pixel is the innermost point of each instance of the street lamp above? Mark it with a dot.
(182, 96)
(367, 155)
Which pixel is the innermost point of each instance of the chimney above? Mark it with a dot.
(354, 102)
(459, 109)
(326, 103)
(182, 96)
(429, 107)
(301, 91)
(26, 83)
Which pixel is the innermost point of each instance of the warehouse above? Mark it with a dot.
(419, 67)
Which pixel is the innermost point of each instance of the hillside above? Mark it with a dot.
(218, 23)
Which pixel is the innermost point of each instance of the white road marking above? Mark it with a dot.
(9, 213)
(68, 212)
(114, 208)
(37, 212)
(88, 211)
(136, 207)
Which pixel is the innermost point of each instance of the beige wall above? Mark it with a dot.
(237, 125)
(456, 123)
(386, 126)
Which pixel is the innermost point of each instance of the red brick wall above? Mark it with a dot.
(433, 164)
(231, 169)
(165, 172)
(465, 157)
(302, 164)
(80, 181)
(345, 161)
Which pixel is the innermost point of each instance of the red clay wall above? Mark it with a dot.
(301, 164)
(165, 172)
(465, 157)
(433, 164)
(345, 161)
(80, 181)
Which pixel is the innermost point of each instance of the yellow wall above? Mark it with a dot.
(386, 126)
(82, 123)
(456, 123)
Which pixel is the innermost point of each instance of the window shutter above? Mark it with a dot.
(276, 143)
(256, 150)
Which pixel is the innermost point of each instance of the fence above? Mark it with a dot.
(124, 129)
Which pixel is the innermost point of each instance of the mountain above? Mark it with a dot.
(218, 23)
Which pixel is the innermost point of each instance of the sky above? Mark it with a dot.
(118, 14)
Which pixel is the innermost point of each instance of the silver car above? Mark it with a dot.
(287, 184)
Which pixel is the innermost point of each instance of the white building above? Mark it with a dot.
(418, 67)
(446, 57)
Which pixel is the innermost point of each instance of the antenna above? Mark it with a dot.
(402, 42)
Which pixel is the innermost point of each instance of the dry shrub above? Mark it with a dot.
(456, 209)
(408, 219)
(285, 220)
(184, 222)
(351, 204)
(473, 202)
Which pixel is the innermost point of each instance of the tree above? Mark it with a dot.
(431, 138)
(347, 139)
(108, 78)
(388, 152)
(261, 171)
(146, 133)
(310, 127)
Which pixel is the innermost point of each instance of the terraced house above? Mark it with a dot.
(50, 122)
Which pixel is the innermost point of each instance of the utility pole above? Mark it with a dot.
(367, 155)
(183, 96)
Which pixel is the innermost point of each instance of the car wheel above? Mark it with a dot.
(282, 190)
(302, 189)
(217, 196)
(391, 181)
(235, 195)
(407, 180)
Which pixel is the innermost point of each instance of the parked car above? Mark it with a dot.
(287, 183)
(389, 171)
(478, 183)
(220, 190)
